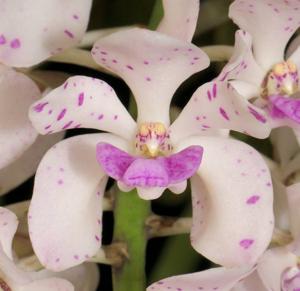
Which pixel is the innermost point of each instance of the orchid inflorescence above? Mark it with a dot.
(245, 205)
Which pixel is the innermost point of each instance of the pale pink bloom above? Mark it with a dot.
(14, 278)
(232, 189)
(258, 89)
(31, 31)
(277, 269)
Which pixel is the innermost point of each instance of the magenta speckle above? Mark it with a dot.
(257, 115)
(40, 107)
(214, 90)
(60, 182)
(80, 99)
(129, 67)
(67, 125)
(209, 95)
(100, 116)
(115, 117)
(146, 63)
(97, 238)
(2, 39)
(246, 243)
(66, 85)
(68, 33)
(253, 199)
(75, 16)
(76, 257)
(223, 113)
(148, 79)
(15, 43)
(61, 114)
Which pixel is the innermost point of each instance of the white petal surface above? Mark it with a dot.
(25, 166)
(8, 228)
(33, 30)
(250, 283)
(267, 21)
(49, 284)
(232, 194)
(17, 93)
(180, 18)
(82, 102)
(213, 279)
(154, 67)
(84, 277)
(215, 105)
(293, 194)
(65, 212)
(272, 265)
(242, 65)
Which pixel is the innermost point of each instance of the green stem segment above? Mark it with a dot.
(130, 215)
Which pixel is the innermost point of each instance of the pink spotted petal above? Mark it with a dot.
(114, 161)
(220, 279)
(25, 166)
(266, 20)
(33, 30)
(180, 18)
(232, 194)
(154, 67)
(242, 70)
(272, 266)
(215, 105)
(293, 194)
(82, 102)
(8, 228)
(285, 107)
(16, 133)
(70, 179)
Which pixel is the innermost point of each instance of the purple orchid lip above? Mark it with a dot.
(146, 172)
(282, 106)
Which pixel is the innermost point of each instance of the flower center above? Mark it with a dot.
(282, 80)
(153, 139)
(290, 280)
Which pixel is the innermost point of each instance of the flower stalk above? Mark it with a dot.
(130, 215)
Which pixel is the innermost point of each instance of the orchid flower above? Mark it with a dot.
(258, 88)
(14, 278)
(45, 28)
(232, 189)
(277, 269)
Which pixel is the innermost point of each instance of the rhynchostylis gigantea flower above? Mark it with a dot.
(15, 278)
(258, 89)
(232, 190)
(277, 269)
(30, 32)
(259, 86)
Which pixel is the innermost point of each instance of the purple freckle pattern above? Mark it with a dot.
(15, 43)
(253, 199)
(246, 243)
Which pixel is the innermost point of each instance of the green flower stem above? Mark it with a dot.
(130, 215)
